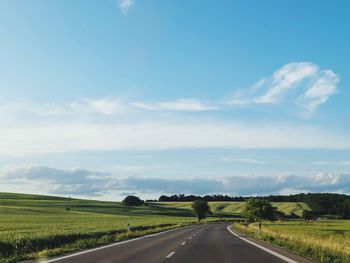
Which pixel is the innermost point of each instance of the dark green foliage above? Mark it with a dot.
(320, 203)
(200, 208)
(280, 215)
(308, 215)
(132, 201)
(346, 209)
(257, 210)
(292, 216)
(6, 249)
(328, 204)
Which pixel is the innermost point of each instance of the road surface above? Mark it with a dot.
(200, 243)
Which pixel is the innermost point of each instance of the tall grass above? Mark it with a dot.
(313, 240)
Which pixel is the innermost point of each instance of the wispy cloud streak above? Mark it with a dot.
(302, 84)
(125, 5)
(177, 105)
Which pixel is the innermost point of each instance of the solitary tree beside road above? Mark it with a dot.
(257, 210)
(200, 208)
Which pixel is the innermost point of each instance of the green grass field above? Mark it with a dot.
(38, 226)
(236, 208)
(33, 225)
(325, 241)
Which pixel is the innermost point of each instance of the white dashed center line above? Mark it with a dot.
(170, 254)
(183, 243)
(190, 238)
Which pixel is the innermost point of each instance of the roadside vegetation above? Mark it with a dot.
(322, 240)
(257, 210)
(201, 209)
(325, 241)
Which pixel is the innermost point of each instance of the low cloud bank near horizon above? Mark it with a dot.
(80, 182)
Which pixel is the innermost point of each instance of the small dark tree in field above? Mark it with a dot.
(346, 210)
(280, 215)
(132, 201)
(308, 215)
(257, 210)
(200, 208)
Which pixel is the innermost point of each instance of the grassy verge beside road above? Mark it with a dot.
(324, 241)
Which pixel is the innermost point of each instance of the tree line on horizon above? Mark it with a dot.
(319, 203)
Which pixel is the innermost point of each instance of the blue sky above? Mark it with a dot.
(145, 97)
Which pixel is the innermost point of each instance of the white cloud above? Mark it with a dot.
(283, 80)
(318, 93)
(82, 182)
(125, 5)
(243, 160)
(103, 106)
(177, 105)
(241, 185)
(110, 124)
(68, 136)
(30, 111)
(326, 162)
(302, 84)
(58, 181)
(145, 106)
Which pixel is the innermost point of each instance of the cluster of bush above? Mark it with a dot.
(132, 201)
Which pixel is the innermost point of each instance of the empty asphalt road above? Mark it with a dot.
(200, 243)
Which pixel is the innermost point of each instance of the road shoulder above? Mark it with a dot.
(280, 252)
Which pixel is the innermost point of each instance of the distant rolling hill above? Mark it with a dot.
(236, 208)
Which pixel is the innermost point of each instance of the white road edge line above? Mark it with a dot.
(170, 254)
(263, 248)
(183, 243)
(111, 245)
